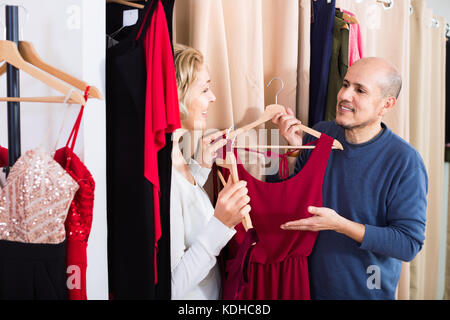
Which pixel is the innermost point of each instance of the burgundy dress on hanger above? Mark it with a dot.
(277, 267)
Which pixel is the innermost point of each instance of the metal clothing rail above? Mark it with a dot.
(13, 89)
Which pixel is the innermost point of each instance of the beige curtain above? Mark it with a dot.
(246, 44)
(427, 136)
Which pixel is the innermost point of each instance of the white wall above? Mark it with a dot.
(70, 35)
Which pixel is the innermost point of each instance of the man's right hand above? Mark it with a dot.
(289, 127)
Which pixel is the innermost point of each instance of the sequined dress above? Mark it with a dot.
(34, 202)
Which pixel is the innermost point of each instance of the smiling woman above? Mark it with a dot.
(198, 230)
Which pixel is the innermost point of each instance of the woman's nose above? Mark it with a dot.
(212, 98)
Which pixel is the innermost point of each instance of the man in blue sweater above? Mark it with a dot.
(374, 191)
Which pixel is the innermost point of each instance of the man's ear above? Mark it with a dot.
(388, 105)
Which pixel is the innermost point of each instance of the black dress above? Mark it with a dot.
(129, 195)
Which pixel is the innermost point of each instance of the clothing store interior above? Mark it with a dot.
(114, 186)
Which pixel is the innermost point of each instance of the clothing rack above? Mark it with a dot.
(13, 89)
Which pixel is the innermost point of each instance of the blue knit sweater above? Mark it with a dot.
(382, 184)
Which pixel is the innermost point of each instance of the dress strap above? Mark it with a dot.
(47, 135)
(74, 133)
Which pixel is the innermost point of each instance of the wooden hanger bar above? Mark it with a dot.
(10, 53)
(127, 3)
(276, 147)
(269, 113)
(230, 163)
(60, 99)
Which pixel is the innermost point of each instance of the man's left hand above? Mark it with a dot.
(327, 219)
(322, 219)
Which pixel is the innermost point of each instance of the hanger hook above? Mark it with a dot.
(279, 91)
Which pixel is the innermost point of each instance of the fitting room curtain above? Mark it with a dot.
(247, 43)
(427, 97)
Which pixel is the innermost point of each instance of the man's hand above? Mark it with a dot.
(289, 127)
(327, 219)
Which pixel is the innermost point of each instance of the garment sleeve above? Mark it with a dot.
(190, 265)
(404, 235)
(200, 173)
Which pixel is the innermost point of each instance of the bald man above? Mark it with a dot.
(374, 191)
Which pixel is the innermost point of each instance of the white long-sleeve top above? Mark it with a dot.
(196, 238)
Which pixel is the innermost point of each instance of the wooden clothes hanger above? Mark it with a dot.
(29, 54)
(269, 113)
(349, 19)
(127, 3)
(10, 54)
(230, 163)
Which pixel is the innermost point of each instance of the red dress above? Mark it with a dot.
(162, 113)
(79, 218)
(277, 267)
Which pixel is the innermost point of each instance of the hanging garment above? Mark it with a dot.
(131, 229)
(355, 46)
(321, 46)
(338, 64)
(30, 271)
(79, 219)
(35, 200)
(33, 206)
(278, 267)
(161, 105)
(3, 157)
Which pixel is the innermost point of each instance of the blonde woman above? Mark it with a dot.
(198, 231)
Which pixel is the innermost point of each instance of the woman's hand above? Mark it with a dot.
(232, 203)
(207, 152)
(289, 127)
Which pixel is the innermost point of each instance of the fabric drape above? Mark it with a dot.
(245, 44)
(131, 224)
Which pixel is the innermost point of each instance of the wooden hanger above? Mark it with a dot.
(10, 54)
(127, 3)
(230, 163)
(350, 19)
(29, 54)
(269, 113)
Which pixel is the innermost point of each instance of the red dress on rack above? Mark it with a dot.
(79, 218)
(277, 267)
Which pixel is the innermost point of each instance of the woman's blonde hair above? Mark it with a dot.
(187, 62)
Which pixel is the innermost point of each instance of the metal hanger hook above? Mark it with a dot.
(279, 91)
